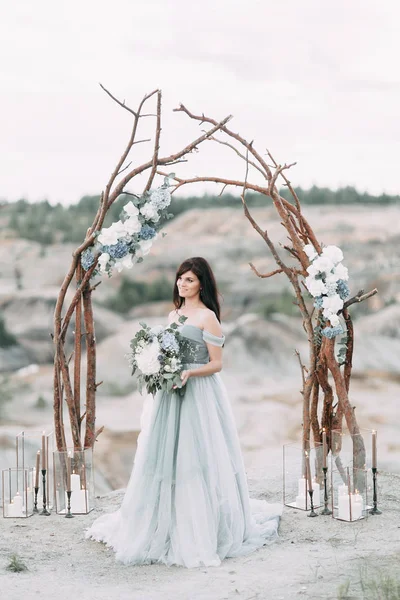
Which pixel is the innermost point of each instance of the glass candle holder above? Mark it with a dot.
(34, 449)
(300, 469)
(73, 472)
(349, 494)
(17, 494)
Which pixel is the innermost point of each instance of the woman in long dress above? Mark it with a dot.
(187, 500)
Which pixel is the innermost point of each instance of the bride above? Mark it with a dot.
(187, 500)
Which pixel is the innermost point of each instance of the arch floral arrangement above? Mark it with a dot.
(119, 246)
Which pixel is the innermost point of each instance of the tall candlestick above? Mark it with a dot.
(324, 448)
(37, 469)
(374, 462)
(308, 472)
(43, 450)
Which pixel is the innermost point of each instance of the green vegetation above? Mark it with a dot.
(6, 338)
(46, 224)
(381, 585)
(132, 293)
(16, 565)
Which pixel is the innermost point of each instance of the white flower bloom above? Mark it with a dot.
(332, 277)
(324, 264)
(147, 359)
(160, 198)
(110, 235)
(131, 209)
(333, 253)
(330, 288)
(174, 365)
(167, 369)
(150, 213)
(103, 260)
(124, 263)
(132, 225)
(312, 271)
(144, 248)
(316, 287)
(334, 319)
(310, 251)
(341, 272)
(332, 303)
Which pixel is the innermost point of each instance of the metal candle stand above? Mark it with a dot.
(69, 515)
(325, 510)
(35, 508)
(375, 510)
(44, 511)
(312, 513)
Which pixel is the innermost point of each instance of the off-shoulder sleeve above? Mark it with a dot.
(215, 340)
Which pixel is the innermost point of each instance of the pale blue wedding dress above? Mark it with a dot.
(187, 500)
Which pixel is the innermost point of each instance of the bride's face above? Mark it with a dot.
(188, 285)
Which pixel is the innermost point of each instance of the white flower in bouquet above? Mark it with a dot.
(103, 260)
(332, 304)
(131, 209)
(323, 264)
(310, 251)
(333, 253)
(174, 365)
(341, 272)
(126, 262)
(312, 271)
(316, 287)
(132, 225)
(147, 359)
(150, 213)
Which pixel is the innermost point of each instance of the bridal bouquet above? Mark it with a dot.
(156, 355)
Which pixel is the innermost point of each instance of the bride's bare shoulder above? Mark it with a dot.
(211, 323)
(173, 316)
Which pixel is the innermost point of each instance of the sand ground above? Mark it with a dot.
(311, 559)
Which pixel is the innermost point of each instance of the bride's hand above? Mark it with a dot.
(185, 376)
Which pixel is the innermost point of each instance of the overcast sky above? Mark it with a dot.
(315, 82)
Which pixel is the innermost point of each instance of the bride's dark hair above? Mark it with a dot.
(209, 292)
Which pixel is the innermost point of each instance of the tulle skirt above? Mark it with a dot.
(187, 500)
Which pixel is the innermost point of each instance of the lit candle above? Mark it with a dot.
(324, 448)
(37, 469)
(43, 450)
(374, 463)
(308, 472)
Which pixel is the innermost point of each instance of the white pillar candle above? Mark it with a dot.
(302, 486)
(317, 494)
(356, 503)
(79, 501)
(15, 509)
(75, 483)
(301, 502)
(343, 489)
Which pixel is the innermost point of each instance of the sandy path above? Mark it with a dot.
(310, 560)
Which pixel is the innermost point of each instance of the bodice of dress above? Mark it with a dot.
(195, 350)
